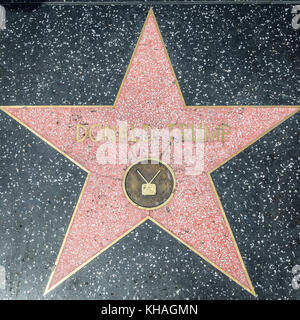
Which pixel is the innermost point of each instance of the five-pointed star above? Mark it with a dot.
(149, 94)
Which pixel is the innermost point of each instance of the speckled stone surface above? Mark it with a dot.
(148, 263)
(232, 54)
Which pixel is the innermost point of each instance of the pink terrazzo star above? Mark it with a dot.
(149, 95)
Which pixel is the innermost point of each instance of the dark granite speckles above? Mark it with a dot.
(39, 189)
(231, 55)
(259, 190)
(66, 55)
(222, 54)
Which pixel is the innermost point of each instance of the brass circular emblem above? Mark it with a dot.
(149, 184)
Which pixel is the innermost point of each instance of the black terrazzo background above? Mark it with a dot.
(63, 57)
(259, 190)
(39, 187)
(233, 54)
(222, 54)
